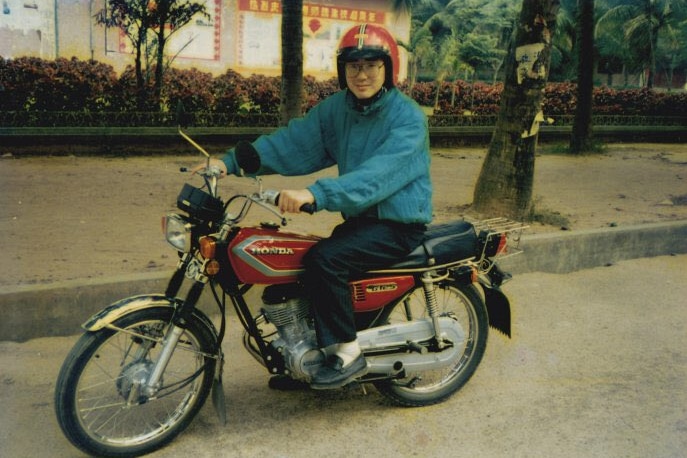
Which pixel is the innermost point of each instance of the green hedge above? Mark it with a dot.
(32, 87)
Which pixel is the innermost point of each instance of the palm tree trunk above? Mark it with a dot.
(413, 75)
(505, 183)
(652, 58)
(581, 138)
(291, 60)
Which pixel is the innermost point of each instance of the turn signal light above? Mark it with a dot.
(208, 247)
(212, 268)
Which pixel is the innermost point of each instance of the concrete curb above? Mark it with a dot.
(563, 252)
(58, 309)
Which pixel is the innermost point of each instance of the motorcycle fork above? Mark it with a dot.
(172, 336)
(178, 277)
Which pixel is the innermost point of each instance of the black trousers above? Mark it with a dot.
(355, 246)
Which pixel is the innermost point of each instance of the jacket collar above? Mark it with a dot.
(369, 106)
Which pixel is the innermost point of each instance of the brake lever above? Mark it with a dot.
(267, 199)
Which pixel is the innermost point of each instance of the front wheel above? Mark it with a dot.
(98, 400)
(462, 303)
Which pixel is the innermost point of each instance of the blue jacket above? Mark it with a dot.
(382, 154)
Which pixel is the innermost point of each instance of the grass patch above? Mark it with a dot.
(537, 214)
(679, 200)
(548, 217)
(597, 147)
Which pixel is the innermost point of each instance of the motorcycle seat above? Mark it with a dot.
(442, 244)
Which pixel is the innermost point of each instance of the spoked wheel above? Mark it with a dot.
(100, 404)
(462, 303)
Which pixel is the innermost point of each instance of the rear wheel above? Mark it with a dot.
(99, 404)
(462, 303)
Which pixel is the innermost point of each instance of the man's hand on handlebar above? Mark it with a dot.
(288, 200)
(291, 201)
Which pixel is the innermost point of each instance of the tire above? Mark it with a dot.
(96, 380)
(465, 305)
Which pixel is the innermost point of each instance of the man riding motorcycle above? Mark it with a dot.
(378, 138)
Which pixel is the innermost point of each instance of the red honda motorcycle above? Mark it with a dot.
(146, 364)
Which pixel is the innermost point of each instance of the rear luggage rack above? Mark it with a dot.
(490, 228)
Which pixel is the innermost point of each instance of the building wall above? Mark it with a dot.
(27, 28)
(243, 35)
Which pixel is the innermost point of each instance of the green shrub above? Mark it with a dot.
(229, 92)
(191, 89)
(35, 85)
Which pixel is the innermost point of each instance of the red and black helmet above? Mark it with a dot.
(369, 42)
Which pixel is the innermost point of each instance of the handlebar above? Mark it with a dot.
(262, 197)
(272, 197)
(248, 160)
(309, 208)
(211, 172)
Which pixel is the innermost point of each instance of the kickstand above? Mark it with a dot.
(218, 400)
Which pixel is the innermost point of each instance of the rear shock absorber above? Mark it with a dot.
(432, 304)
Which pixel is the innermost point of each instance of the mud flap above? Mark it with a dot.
(498, 308)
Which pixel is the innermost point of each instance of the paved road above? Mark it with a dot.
(597, 368)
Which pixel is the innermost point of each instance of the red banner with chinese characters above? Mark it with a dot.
(313, 10)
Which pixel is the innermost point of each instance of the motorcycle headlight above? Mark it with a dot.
(177, 232)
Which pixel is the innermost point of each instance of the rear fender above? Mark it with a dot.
(114, 311)
(498, 309)
(498, 306)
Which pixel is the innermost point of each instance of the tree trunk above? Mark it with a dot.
(437, 93)
(581, 138)
(163, 18)
(141, 94)
(652, 58)
(159, 69)
(496, 71)
(291, 61)
(413, 74)
(504, 186)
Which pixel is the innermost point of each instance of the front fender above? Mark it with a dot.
(123, 307)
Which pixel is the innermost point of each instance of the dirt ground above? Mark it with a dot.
(70, 217)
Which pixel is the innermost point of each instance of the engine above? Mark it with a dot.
(287, 309)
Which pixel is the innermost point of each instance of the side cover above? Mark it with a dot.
(374, 293)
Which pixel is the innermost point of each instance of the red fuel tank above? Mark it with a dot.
(265, 255)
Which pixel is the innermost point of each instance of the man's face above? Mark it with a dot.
(365, 77)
